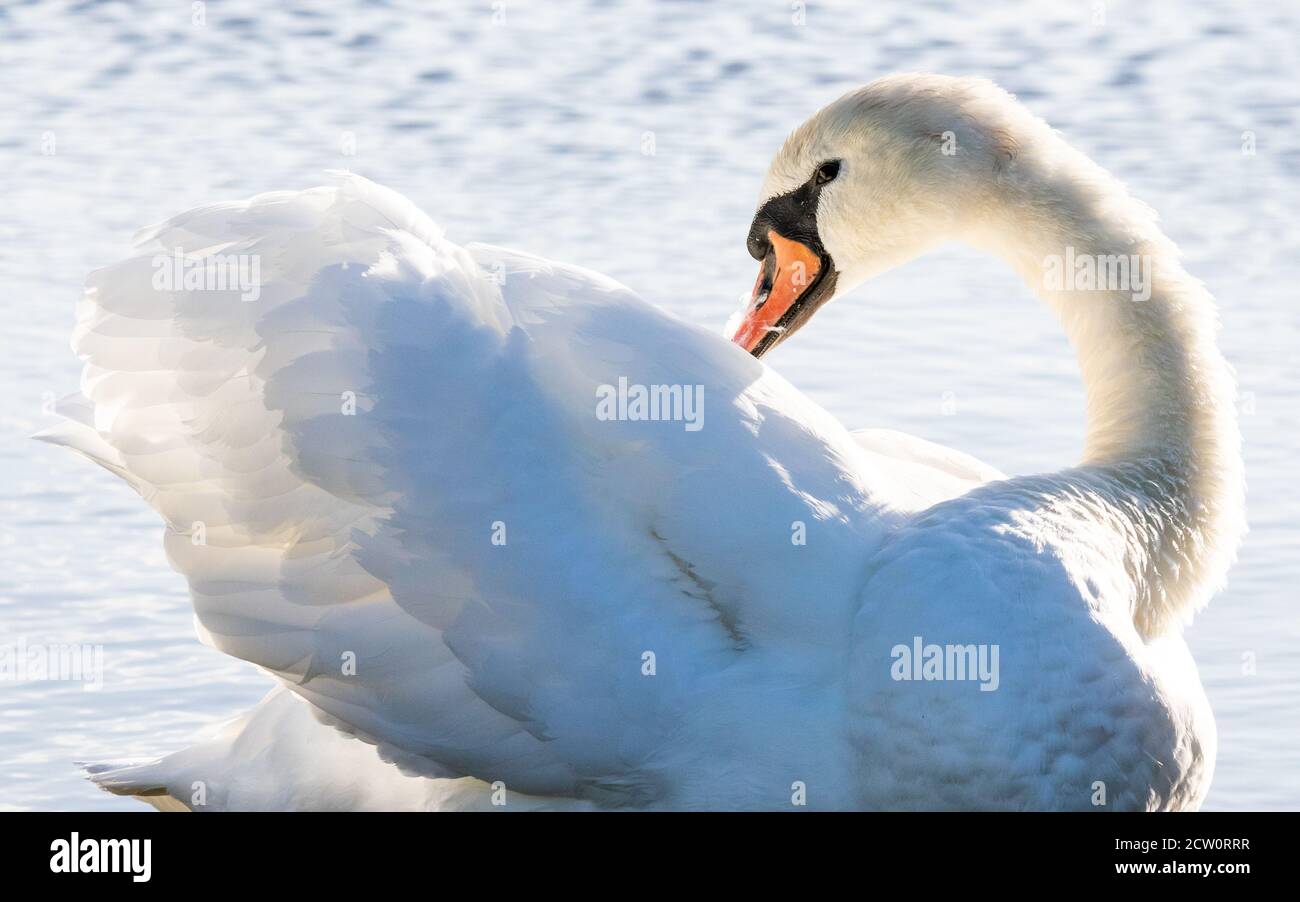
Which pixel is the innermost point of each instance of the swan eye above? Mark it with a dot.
(826, 172)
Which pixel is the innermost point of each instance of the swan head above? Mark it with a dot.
(871, 181)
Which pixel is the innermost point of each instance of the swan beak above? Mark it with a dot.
(787, 273)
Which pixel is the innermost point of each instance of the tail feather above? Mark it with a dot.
(141, 779)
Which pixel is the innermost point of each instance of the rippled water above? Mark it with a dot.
(527, 124)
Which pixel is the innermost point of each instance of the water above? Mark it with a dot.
(531, 129)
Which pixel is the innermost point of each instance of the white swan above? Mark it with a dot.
(389, 484)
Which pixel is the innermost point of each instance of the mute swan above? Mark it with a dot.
(387, 476)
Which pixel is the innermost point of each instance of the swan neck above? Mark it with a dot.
(1162, 451)
(1155, 383)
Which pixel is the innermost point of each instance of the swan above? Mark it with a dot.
(458, 501)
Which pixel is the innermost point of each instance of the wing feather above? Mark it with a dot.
(338, 460)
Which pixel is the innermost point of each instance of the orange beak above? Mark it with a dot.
(783, 276)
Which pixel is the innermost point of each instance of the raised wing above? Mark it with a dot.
(389, 482)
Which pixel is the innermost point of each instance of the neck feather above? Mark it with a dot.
(1162, 437)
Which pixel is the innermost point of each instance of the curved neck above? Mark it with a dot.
(1163, 449)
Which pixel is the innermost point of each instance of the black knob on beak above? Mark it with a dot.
(758, 243)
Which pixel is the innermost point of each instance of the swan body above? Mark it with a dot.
(388, 484)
